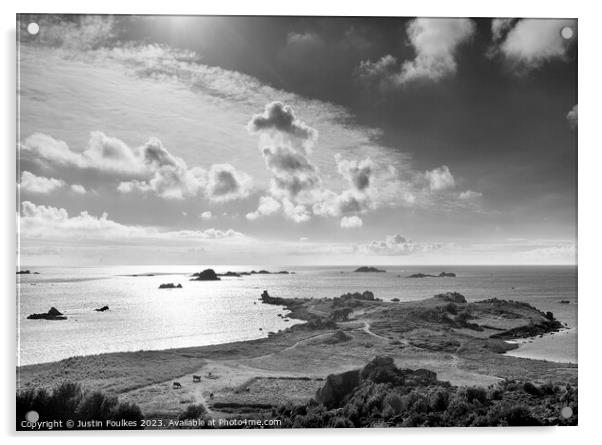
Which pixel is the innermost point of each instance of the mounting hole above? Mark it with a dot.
(33, 28)
(32, 416)
(567, 33)
(566, 412)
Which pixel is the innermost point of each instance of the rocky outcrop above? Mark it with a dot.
(102, 309)
(254, 272)
(452, 297)
(52, 314)
(267, 299)
(368, 269)
(170, 286)
(339, 387)
(231, 274)
(206, 275)
(426, 275)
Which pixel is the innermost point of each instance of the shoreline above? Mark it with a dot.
(444, 334)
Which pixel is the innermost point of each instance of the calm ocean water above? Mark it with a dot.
(142, 317)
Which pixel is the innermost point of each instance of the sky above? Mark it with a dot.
(296, 140)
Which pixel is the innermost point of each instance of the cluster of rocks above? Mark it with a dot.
(210, 275)
(253, 272)
(425, 275)
(170, 286)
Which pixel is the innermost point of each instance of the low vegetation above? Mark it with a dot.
(69, 401)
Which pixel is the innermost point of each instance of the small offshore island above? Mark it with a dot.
(444, 352)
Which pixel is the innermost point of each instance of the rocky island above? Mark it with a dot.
(368, 269)
(206, 275)
(441, 275)
(52, 314)
(170, 286)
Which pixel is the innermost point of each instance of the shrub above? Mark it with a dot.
(69, 401)
(439, 401)
(127, 411)
(340, 422)
(476, 393)
(193, 411)
(530, 388)
(520, 416)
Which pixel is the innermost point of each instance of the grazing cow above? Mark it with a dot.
(177, 385)
(211, 396)
(209, 374)
(196, 378)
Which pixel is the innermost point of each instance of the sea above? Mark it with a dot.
(143, 317)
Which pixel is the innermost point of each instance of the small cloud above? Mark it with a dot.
(227, 184)
(267, 206)
(206, 215)
(571, 117)
(351, 222)
(39, 184)
(469, 195)
(396, 245)
(296, 212)
(46, 222)
(435, 42)
(281, 118)
(79, 189)
(527, 44)
(440, 178)
(303, 239)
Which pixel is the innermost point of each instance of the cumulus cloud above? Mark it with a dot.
(79, 189)
(469, 195)
(267, 206)
(39, 184)
(572, 117)
(357, 172)
(226, 184)
(396, 245)
(527, 44)
(435, 42)
(103, 153)
(285, 143)
(351, 222)
(206, 215)
(39, 221)
(296, 212)
(280, 119)
(500, 26)
(150, 168)
(440, 178)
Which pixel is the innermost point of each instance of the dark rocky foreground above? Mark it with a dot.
(382, 395)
